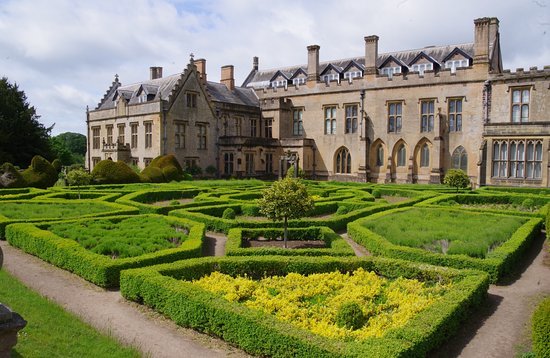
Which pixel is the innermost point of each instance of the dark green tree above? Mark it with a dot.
(22, 136)
(456, 178)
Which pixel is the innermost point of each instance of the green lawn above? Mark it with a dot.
(33, 210)
(51, 331)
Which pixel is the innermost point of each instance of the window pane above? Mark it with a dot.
(504, 151)
(525, 113)
(496, 151)
(459, 105)
(538, 170)
(538, 151)
(333, 126)
(392, 108)
(451, 106)
(495, 168)
(398, 107)
(513, 151)
(513, 168)
(464, 162)
(459, 122)
(516, 96)
(515, 113)
(452, 122)
(530, 151)
(525, 96)
(398, 123)
(530, 169)
(520, 169)
(521, 151)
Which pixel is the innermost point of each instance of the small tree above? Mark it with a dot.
(456, 178)
(285, 199)
(79, 177)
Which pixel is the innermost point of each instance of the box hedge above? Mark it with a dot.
(335, 244)
(143, 199)
(541, 329)
(109, 172)
(40, 174)
(499, 262)
(35, 239)
(20, 193)
(165, 288)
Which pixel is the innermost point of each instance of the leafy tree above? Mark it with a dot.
(69, 147)
(456, 178)
(21, 134)
(79, 177)
(285, 199)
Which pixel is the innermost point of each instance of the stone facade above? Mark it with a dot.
(403, 117)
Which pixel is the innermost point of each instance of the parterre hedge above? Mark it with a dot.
(20, 193)
(498, 263)
(142, 199)
(541, 329)
(165, 289)
(99, 269)
(335, 245)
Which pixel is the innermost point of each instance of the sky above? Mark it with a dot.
(65, 53)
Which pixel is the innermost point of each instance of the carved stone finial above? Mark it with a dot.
(116, 77)
(191, 57)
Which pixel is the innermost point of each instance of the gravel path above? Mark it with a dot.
(109, 312)
(214, 244)
(359, 250)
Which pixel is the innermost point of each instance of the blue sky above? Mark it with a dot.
(64, 53)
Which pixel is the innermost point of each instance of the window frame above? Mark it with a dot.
(330, 121)
(191, 99)
(202, 133)
(427, 115)
(351, 118)
(401, 160)
(521, 105)
(342, 163)
(454, 115)
(148, 134)
(121, 128)
(298, 121)
(134, 130)
(96, 137)
(395, 120)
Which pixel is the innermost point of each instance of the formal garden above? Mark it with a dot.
(287, 282)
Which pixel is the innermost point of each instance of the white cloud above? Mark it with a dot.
(65, 53)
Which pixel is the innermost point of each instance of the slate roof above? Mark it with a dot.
(437, 53)
(162, 87)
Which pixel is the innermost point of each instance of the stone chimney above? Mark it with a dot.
(313, 63)
(201, 68)
(493, 29)
(227, 77)
(371, 54)
(255, 63)
(156, 72)
(481, 40)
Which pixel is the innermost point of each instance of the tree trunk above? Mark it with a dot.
(286, 233)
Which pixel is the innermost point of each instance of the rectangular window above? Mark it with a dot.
(134, 161)
(95, 160)
(201, 134)
(148, 134)
(249, 163)
(351, 118)
(390, 71)
(253, 127)
(228, 163)
(395, 117)
(134, 135)
(268, 163)
(454, 64)
(455, 115)
(180, 134)
(330, 120)
(191, 100)
(297, 122)
(421, 67)
(523, 160)
(299, 81)
(95, 137)
(190, 164)
(109, 134)
(268, 128)
(147, 161)
(427, 116)
(238, 126)
(121, 139)
(520, 105)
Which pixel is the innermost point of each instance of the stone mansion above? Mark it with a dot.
(404, 117)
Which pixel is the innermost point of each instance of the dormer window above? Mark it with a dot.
(454, 64)
(278, 83)
(143, 97)
(331, 77)
(421, 67)
(390, 71)
(299, 81)
(353, 74)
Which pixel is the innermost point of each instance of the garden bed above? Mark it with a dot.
(98, 249)
(172, 290)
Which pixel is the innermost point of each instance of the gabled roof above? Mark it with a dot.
(279, 73)
(329, 67)
(353, 63)
(298, 72)
(391, 58)
(457, 51)
(422, 54)
(148, 89)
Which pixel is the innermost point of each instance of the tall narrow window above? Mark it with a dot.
(180, 135)
(427, 116)
(330, 120)
(253, 127)
(401, 156)
(268, 128)
(520, 105)
(134, 135)
(148, 134)
(343, 161)
(297, 122)
(191, 99)
(394, 116)
(228, 163)
(351, 118)
(503, 168)
(538, 161)
(95, 137)
(238, 126)
(496, 159)
(201, 134)
(380, 156)
(455, 115)
(249, 163)
(121, 139)
(109, 134)
(268, 163)
(425, 156)
(459, 159)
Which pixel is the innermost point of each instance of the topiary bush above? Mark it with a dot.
(109, 172)
(342, 210)
(57, 165)
(228, 213)
(152, 174)
(541, 329)
(40, 174)
(377, 193)
(351, 316)
(164, 168)
(10, 177)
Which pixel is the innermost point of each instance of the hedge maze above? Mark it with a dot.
(433, 253)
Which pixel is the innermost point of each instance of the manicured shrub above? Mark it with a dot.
(456, 178)
(162, 169)
(152, 174)
(528, 203)
(109, 172)
(377, 193)
(351, 316)
(10, 177)
(57, 165)
(40, 174)
(541, 329)
(228, 213)
(342, 210)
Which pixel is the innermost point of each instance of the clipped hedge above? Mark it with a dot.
(166, 289)
(68, 195)
(541, 329)
(335, 245)
(164, 168)
(109, 172)
(10, 177)
(20, 193)
(35, 239)
(499, 262)
(40, 174)
(113, 209)
(142, 199)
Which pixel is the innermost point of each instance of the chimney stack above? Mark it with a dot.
(313, 63)
(371, 54)
(155, 72)
(255, 63)
(227, 77)
(201, 68)
(481, 40)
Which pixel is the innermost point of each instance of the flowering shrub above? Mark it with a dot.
(313, 302)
